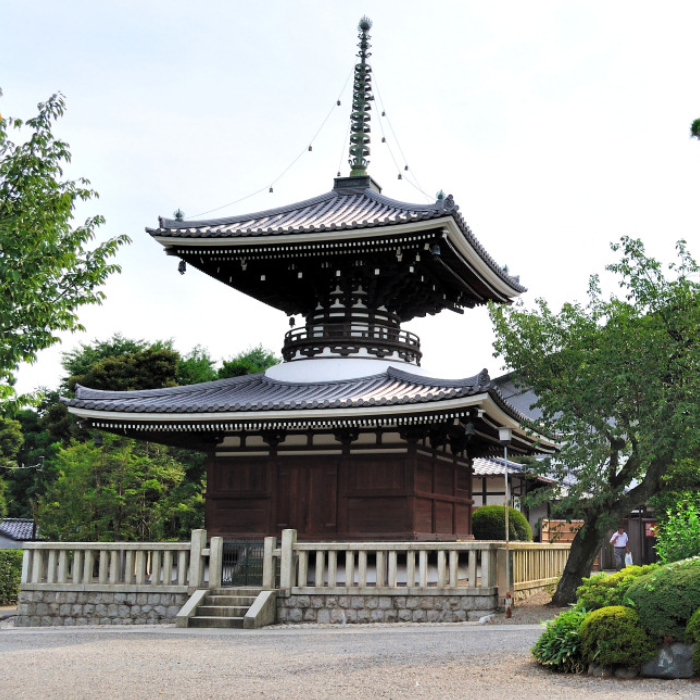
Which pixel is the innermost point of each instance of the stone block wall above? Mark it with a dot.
(394, 606)
(67, 608)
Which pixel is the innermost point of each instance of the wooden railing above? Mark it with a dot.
(162, 566)
(414, 565)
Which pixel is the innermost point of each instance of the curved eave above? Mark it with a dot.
(493, 412)
(505, 287)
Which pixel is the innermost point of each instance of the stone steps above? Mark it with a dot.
(224, 608)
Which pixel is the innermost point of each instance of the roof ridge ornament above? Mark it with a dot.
(361, 104)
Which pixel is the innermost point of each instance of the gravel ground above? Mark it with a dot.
(489, 662)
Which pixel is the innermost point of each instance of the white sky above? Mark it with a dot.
(558, 127)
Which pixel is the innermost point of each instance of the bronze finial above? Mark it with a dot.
(361, 104)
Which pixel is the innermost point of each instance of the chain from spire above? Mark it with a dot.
(361, 104)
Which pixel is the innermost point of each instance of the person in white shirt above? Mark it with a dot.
(620, 543)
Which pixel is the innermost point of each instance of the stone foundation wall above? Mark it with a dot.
(395, 606)
(68, 608)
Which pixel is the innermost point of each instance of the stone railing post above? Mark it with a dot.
(269, 545)
(216, 561)
(198, 544)
(26, 565)
(289, 540)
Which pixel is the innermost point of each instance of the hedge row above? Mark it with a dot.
(10, 575)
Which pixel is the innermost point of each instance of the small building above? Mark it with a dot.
(349, 438)
(14, 532)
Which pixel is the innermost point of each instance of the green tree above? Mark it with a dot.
(252, 361)
(46, 268)
(695, 129)
(123, 490)
(617, 383)
(10, 443)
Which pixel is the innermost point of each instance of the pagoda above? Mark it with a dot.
(348, 438)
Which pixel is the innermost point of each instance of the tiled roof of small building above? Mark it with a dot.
(256, 392)
(485, 466)
(19, 529)
(338, 210)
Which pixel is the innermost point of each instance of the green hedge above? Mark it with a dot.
(602, 590)
(614, 635)
(667, 598)
(489, 523)
(10, 575)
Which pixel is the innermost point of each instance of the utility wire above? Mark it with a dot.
(383, 116)
(284, 172)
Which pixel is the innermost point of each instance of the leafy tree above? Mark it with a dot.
(10, 442)
(617, 383)
(125, 490)
(251, 361)
(46, 268)
(695, 129)
(196, 367)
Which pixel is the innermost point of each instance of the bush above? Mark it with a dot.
(603, 590)
(559, 646)
(692, 636)
(667, 598)
(679, 535)
(10, 575)
(614, 635)
(489, 523)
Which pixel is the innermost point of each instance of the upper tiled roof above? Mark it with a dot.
(19, 529)
(257, 392)
(337, 210)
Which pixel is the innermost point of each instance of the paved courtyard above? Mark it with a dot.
(383, 661)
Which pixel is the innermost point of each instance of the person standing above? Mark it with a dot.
(620, 543)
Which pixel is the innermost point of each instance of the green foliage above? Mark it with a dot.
(614, 635)
(692, 636)
(122, 490)
(47, 268)
(617, 380)
(603, 590)
(196, 367)
(10, 575)
(678, 535)
(695, 129)
(667, 598)
(489, 523)
(251, 361)
(559, 646)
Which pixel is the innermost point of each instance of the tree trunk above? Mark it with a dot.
(584, 548)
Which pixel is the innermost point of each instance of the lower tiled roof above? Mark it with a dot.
(257, 392)
(19, 529)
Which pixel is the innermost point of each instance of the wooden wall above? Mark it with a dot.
(409, 494)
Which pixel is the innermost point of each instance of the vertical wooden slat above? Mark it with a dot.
(320, 573)
(303, 570)
(454, 568)
(362, 569)
(423, 569)
(381, 569)
(349, 568)
(410, 569)
(441, 568)
(393, 575)
(332, 569)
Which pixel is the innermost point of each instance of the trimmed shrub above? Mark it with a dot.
(489, 523)
(559, 646)
(692, 636)
(667, 598)
(614, 635)
(602, 590)
(10, 575)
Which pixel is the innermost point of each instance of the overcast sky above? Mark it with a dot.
(558, 127)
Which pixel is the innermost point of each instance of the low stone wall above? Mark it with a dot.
(67, 608)
(388, 605)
